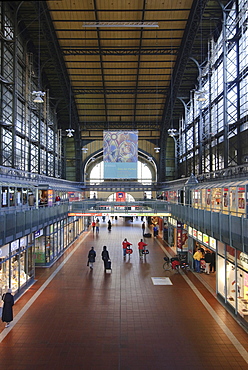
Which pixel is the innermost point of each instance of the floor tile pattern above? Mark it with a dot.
(87, 319)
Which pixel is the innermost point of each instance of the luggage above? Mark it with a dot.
(108, 265)
(147, 235)
(146, 251)
(129, 251)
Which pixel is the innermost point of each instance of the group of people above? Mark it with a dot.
(92, 257)
(204, 258)
(105, 254)
(95, 225)
(126, 247)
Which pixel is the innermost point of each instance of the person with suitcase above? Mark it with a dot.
(125, 246)
(105, 257)
(141, 246)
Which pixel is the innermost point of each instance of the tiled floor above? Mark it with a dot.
(82, 319)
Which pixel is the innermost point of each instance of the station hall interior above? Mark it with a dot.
(124, 120)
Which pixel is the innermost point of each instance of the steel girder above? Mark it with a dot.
(193, 23)
(115, 91)
(155, 51)
(62, 74)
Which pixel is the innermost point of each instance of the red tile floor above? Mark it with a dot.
(74, 318)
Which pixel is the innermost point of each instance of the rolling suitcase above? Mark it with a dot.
(108, 268)
(147, 235)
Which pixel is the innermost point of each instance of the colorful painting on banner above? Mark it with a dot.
(120, 154)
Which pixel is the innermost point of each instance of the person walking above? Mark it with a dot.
(105, 257)
(97, 226)
(109, 225)
(208, 260)
(141, 246)
(93, 225)
(7, 313)
(197, 258)
(91, 258)
(155, 231)
(143, 226)
(125, 245)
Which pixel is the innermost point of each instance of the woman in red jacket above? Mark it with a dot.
(141, 246)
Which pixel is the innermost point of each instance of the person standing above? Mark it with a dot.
(125, 245)
(93, 225)
(155, 231)
(141, 246)
(91, 258)
(143, 226)
(197, 258)
(97, 226)
(105, 257)
(212, 266)
(7, 313)
(109, 225)
(208, 259)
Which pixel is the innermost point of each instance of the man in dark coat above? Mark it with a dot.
(7, 314)
(105, 257)
(91, 257)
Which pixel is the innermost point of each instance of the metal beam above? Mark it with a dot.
(135, 51)
(119, 91)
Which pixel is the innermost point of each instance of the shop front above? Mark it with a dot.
(17, 265)
(232, 279)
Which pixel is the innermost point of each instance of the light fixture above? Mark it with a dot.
(157, 149)
(38, 96)
(172, 132)
(120, 24)
(200, 95)
(70, 132)
(149, 159)
(85, 150)
(93, 159)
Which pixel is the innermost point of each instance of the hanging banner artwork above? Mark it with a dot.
(120, 154)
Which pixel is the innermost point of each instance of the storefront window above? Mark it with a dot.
(4, 268)
(39, 247)
(221, 276)
(4, 196)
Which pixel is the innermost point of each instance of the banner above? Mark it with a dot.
(120, 154)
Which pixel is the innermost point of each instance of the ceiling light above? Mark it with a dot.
(172, 132)
(84, 150)
(157, 150)
(120, 24)
(69, 132)
(38, 96)
(200, 95)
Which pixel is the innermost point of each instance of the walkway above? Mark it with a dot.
(77, 319)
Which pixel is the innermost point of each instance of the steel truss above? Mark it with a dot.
(166, 51)
(119, 91)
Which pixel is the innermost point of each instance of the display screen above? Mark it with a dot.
(120, 154)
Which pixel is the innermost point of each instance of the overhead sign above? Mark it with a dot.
(127, 214)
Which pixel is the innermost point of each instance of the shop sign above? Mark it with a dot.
(190, 231)
(244, 260)
(4, 251)
(179, 234)
(205, 239)
(23, 242)
(194, 233)
(38, 233)
(199, 235)
(212, 243)
(14, 245)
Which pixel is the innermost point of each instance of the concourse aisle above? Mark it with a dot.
(74, 318)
